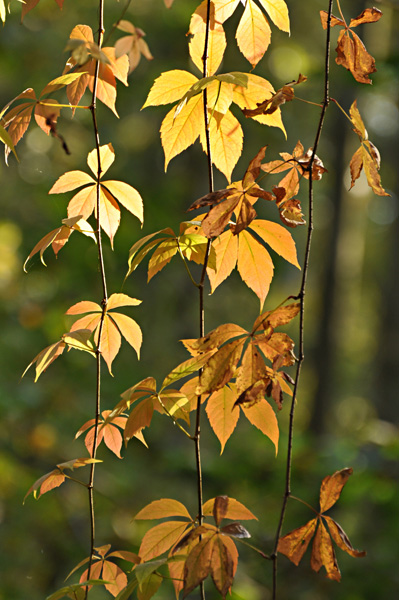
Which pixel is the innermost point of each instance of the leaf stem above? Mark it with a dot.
(301, 296)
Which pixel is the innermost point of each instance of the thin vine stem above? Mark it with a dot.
(93, 110)
(301, 297)
(197, 433)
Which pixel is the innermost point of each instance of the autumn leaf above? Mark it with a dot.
(83, 204)
(133, 45)
(295, 543)
(107, 431)
(113, 325)
(216, 38)
(28, 5)
(55, 478)
(351, 52)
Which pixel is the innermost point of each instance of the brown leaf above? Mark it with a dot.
(323, 554)
(369, 15)
(235, 510)
(198, 564)
(352, 54)
(295, 543)
(291, 213)
(220, 508)
(222, 566)
(341, 539)
(334, 20)
(331, 488)
(221, 367)
(236, 530)
(211, 199)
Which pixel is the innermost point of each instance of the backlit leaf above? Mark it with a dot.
(216, 38)
(170, 87)
(248, 98)
(160, 538)
(161, 509)
(198, 564)
(254, 265)
(186, 368)
(179, 133)
(331, 488)
(107, 157)
(139, 418)
(221, 367)
(226, 249)
(235, 510)
(295, 543)
(264, 418)
(323, 554)
(44, 359)
(110, 342)
(222, 414)
(128, 196)
(70, 181)
(222, 566)
(278, 12)
(341, 539)
(253, 33)
(130, 330)
(226, 138)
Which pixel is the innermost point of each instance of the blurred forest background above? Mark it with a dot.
(348, 405)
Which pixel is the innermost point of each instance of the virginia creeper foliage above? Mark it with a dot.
(230, 370)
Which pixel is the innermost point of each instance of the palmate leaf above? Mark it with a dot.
(133, 45)
(295, 543)
(216, 38)
(184, 124)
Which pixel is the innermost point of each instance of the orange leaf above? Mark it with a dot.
(254, 265)
(161, 537)
(341, 539)
(222, 565)
(161, 509)
(278, 238)
(198, 564)
(253, 33)
(118, 300)
(248, 98)
(221, 367)
(83, 203)
(70, 181)
(110, 342)
(110, 214)
(114, 574)
(323, 554)
(130, 331)
(226, 249)
(44, 359)
(295, 543)
(235, 510)
(331, 488)
(139, 418)
(82, 307)
(352, 54)
(222, 415)
(264, 418)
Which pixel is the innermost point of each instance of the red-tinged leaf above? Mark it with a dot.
(235, 510)
(277, 346)
(294, 544)
(139, 418)
(112, 439)
(46, 114)
(110, 342)
(198, 564)
(160, 538)
(323, 554)
(222, 566)
(215, 37)
(221, 367)
(90, 322)
(82, 307)
(118, 300)
(253, 170)
(226, 138)
(291, 213)
(89, 440)
(110, 214)
(264, 418)
(253, 33)
(226, 250)
(211, 199)
(44, 243)
(119, 65)
(222, 415)
(128, 196)
(341, 539)
(28, 5)
(46, 483)
(70, 181)
(278, 238)
(83, 203)
(16, 122)
(130, 331)
(162, 509)
(331, 488)
(186, 368)
(236, 530)
(254, 265)
(369, 15)
(170, 87)
(44, 359)
(111, 572)
(95, 573)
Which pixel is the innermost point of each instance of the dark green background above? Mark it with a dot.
(347, 413)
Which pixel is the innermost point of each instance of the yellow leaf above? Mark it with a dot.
(70, 181)
(278, 238)
(278, 12)
(130, 331)
(170, 87)
(222, 415)
(371, 171)
(179, 133)
(219, 96)
(110, 214)
(226, 249)
(128, 196)
(107, 157)
(226, 142)
(110, 341)
(216, 39)
(224, 9)
(253, 33)
(254, 265)
(264, 418)
(256, 90)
